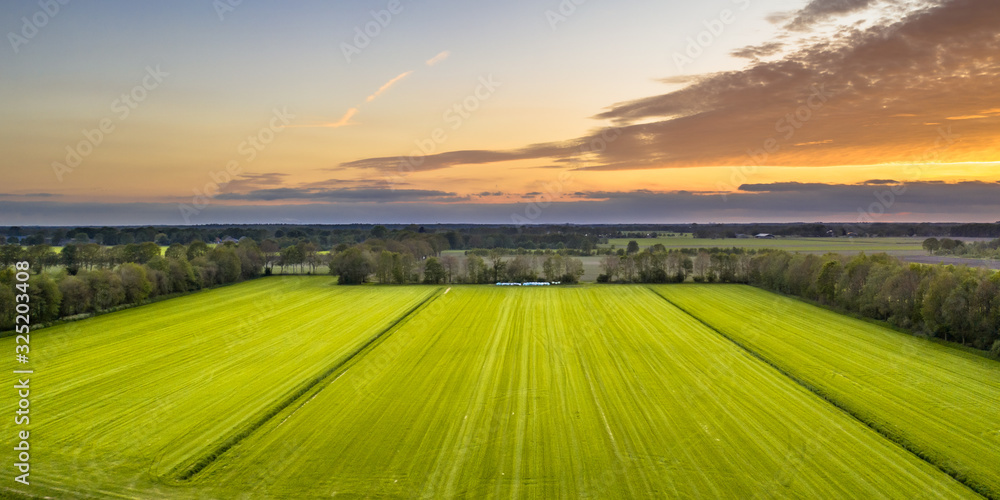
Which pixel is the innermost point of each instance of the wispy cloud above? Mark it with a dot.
(346, 119)
(342, 122)
(438, 58)
(387, 85)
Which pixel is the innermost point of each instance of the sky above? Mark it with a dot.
(515, 112)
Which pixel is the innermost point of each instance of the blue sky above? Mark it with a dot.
(689, 88)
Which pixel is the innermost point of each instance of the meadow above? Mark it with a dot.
(291, 387)
(938, 402)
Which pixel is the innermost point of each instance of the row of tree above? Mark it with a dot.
(976, 249)
(65, 291)
(653, 265)
(954, 303)
(361, 263)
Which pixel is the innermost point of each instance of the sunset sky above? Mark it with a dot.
(196, 112)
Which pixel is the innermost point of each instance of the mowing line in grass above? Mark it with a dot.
(583, 392)
(820, 393)
(187, 472)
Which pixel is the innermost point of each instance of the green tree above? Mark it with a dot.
(632, 248)
(41, 255)
(76, 296)
(7, 305)
(553, 267)
(106, 289)
(932, 307)
(931, 245)
(573, 270)
(196, 249)
(251, 258)
(291, 256)
(475, 269)
(227, 263)
(135, 282)
(46, 298)
(384, 266)
(176, 251)
(497, 263)
(352, 266)
(10, 254)
(434, 272)
(69, 258)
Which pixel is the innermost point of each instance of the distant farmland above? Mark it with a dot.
(291, 387)
(899, 246)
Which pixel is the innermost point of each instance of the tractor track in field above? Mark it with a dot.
(819, 393)
(186, 472)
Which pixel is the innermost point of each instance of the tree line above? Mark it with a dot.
(975, 249)
(107, 278)
(374, 261)
(953, 303)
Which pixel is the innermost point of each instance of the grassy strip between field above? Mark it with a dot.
(186, 472)
(871, 424)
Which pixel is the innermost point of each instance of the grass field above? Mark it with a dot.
(291, 387)
(573, 392)
(941, 403)
(127, 394)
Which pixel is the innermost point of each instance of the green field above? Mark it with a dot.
(291, 387)
(124, 395)
(941, 403)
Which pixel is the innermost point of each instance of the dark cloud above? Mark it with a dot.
(821, 10)
(419, 162)
(784, 186)
(782, 202)
(341, 195)
(881, 86)
(880, 182)
(28, 195)
(249, 181)
(758, 51)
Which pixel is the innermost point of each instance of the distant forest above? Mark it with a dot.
(84, 270)
(469, 236)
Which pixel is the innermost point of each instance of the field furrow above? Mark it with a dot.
(939, 402)
(123, 398)
(570, 393)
